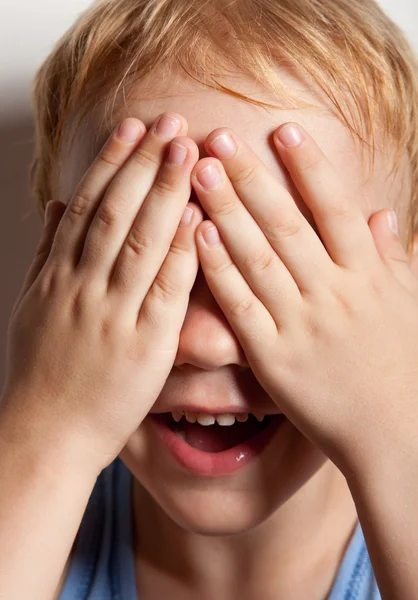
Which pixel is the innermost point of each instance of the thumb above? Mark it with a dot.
(384, 228)
(53, 213)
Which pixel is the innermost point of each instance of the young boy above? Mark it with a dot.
(182, 420)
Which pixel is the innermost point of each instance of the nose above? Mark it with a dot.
(207, 341)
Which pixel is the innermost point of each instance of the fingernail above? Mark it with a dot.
(168, 126)
(211, 236)
(186, 216)
(393, 222)
(177, 154)
(129, 130)
(223, 146)
(290, 135)
(209, 177)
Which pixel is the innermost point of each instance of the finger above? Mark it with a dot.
(151, 235)
(389, 247)
(168, 299)
(273, 209)
(125, 196)
(76, 221)
(53, 215)
(257, 261)
(340, 221)
(251, 322)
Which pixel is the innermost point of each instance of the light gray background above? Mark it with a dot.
(28, 30)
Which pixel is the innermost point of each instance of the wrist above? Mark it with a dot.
(41, 441)
(383, 469)
(384, 487)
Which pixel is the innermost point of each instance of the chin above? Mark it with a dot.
(216, 512)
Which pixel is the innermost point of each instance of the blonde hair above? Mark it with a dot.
(348, 46)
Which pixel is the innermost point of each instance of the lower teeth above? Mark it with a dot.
(181, 435)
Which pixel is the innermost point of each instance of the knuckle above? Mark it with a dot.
(241, 307)
(108, 213)
(49, 280)
(342, 209)
(377, 283)
(79, 204)
(258, 261)
(43, 251)
(221, 268)
(283, 229)
(179, 249)
(400, 258)
(109, 159)
(150, 312)
(244, 176)
(164, 288)
(114, 327)
(163, 189)
(310, 163)
(224, 207)
(87, 297)
(139, 243)
(80, 303)
(145, 159)
(106, 328)
(319, 326)
(342, 298)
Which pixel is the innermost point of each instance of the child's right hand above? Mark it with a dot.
(94, 332)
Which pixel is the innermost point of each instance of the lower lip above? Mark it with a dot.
(215, 464)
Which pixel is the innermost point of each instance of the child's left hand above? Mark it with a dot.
(331, 333)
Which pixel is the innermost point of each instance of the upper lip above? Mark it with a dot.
(201, 394)
(193, 407)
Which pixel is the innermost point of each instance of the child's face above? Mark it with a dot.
(210, 365)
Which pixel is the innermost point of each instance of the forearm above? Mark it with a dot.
(44, 491)
(385, 492)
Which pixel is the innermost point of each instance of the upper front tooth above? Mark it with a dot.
(225, 419)
(242, 417)
(205, 419)
(191, 417)
(259, 417)
(177, 415)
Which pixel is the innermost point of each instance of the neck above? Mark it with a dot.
(294, 553)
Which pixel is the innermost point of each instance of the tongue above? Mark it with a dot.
(216, 438)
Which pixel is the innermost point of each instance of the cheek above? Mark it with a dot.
(137, 451)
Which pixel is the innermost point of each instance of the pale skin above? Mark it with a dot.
(291, 514)
(311, 487)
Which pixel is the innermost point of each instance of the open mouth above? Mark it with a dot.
(215, 445)
(214, 436)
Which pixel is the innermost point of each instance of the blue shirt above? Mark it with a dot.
(102, 567)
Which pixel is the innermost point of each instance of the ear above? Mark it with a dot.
(402, 265)
(412, 282)
(413, 259)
